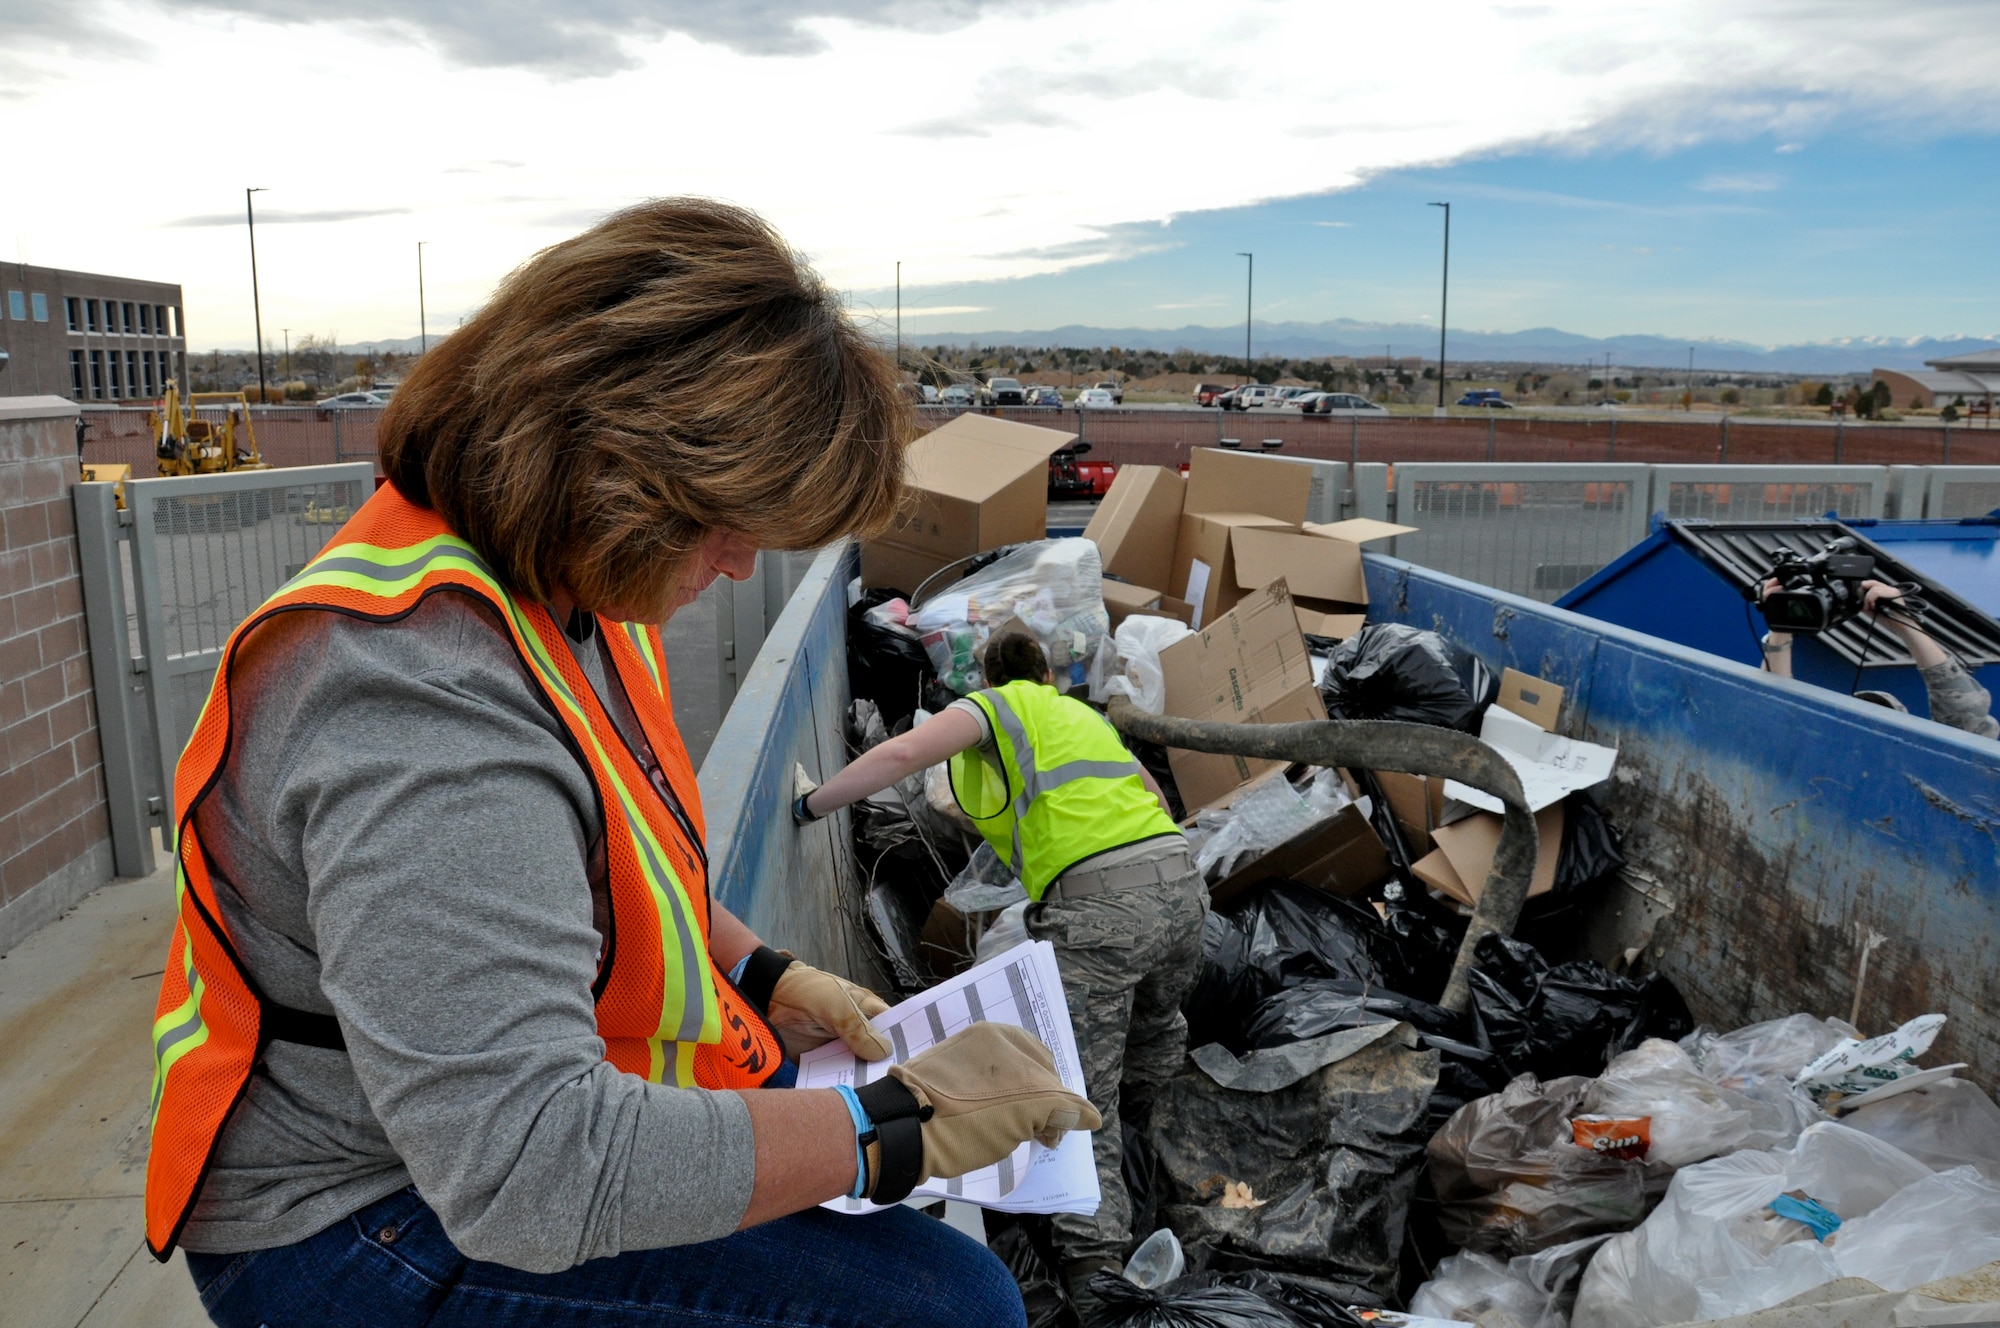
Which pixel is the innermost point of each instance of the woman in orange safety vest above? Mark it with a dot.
(451, 1029)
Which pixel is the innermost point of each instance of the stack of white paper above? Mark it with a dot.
(1019, 987)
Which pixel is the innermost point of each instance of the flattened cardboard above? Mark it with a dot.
(976, 483)
(1333, 626)
(1340, 855)
(1359, 529)
(1469, 845)
(1538, 702)
(1137, 523)
(1249, 667)
(1220, 481)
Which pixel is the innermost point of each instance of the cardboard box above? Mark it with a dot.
(1204, 560)
(1136, 524)
(1417, 803)
(1249, 667)
(1467, 848)
(1538, 702)
(976, 483)
(1121, 601)
(948, 939)
(1340, 855)
(1220, 481)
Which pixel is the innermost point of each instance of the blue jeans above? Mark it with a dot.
(390, 1265)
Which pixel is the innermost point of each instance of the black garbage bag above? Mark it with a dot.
(1590, 850)
(1396, 671)
(1140, 1169)
(1311, 1009)
(1329, 1140)
(1225, 989)
(1255, 1299)
(884, 665)
(1042, 1292)
(1565, 1019)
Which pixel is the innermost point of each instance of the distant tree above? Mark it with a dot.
(1731, 397)
(1950, 413)
(1132, 369)
(1595, 385)
(1884, 398)
(1823, 397)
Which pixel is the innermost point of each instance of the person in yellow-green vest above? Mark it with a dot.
(1086, 829)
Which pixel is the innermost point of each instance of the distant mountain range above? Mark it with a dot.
(1536, 345)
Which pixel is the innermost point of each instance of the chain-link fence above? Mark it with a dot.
(286, 435)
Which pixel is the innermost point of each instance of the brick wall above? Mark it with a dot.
(55, 836)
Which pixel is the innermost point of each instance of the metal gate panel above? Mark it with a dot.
(1533, 529)
(1960, 491)
(1769, 493)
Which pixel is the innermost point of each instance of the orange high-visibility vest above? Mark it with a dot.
(664, 1009)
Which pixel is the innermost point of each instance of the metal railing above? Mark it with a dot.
(1961, 491)
(166, 580)
(1769, 493)
(1535, 530)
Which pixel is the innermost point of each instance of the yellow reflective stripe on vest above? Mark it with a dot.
(390, 572)
(181, 1029)
(1035, 782)
(642, 640)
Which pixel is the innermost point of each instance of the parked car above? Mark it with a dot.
(1044, 396)
(1288, 396)
(1003, 392)
(1251, 396)
(1339, 403)
(1207, 394)
(355, 401)
(1117, 392)
(922, 394)
(1095, 397)
(956, 395)
(1488, 397)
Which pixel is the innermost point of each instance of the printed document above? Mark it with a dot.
(1020, 987)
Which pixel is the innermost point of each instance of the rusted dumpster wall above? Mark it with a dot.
(1790, 825)
(798, 888)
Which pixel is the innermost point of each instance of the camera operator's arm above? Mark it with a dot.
(1957, 699)
(1777, 645)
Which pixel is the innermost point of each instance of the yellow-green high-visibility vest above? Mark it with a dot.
(1063, 787)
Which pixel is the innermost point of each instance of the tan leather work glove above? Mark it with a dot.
(810, 1008)
(986, 1090)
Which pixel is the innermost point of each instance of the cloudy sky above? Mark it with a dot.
(1769, 170)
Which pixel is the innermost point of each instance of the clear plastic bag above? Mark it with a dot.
(985, 885)
(1942, 1225)
(1137, 674)
(1008, 930)
(1265, 816)
(1692, 1118)
(1714, 1248)
(1469, 1284)
(1760, 1061)
(1052, 588)
(1942, 1125)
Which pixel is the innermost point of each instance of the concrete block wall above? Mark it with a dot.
(55, 833)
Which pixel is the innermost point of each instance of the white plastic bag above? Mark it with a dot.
(1008, 930)
(1052, 588)
(984, 884)
(1714, 1248)
(1948, 1124)
(1692, 1118)
(1942, 1225)
(1469, 1284)
(1138, 676)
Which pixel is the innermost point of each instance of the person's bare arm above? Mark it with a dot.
(728, 938)
(941, 737)
(1777, 646)
(805, 1150)
(1877, 594)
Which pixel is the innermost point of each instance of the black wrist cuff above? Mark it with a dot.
(899, 1134)
(802, 813)
(761, 974)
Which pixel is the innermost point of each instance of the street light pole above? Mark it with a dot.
(423, 325)
(256, 303)
(1249, 291)
(1690, 387)
(287, 371)
(1444, 298)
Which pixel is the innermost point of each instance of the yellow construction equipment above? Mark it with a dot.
(188, 444)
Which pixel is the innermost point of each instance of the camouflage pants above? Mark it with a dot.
(1127, 958)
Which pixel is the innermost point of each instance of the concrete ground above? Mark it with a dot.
(76, 999)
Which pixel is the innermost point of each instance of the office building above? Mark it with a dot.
(1961, 379)
(89, 337)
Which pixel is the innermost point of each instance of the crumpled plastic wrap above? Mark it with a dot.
(1942, 1125)
(1052, 588)
(1536, 1289)
(1714, 1248)
(1134, 670)
(1263, 817)
(1334, 1155)
(985, 884)
(1761, 1061)
(1692, 1117)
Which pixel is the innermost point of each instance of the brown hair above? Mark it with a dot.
(1014, 657)
(674, 369)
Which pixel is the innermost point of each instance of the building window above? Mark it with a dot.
(73, 313)
(145, 320)
(180, 324)
(160, 319)
(132, 372)
(76, 375)
(146, 362)
(131, 319)
(90, 315)
(97, 375)
(117, 377)
(41, 304)
(17, 306)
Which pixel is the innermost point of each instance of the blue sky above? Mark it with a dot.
(1774, 241)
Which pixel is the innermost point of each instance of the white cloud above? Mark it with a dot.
(1739, 184)
(988, 142)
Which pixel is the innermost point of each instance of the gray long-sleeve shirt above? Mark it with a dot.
(401, 839)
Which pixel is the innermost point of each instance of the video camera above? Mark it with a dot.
(1819, 593)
